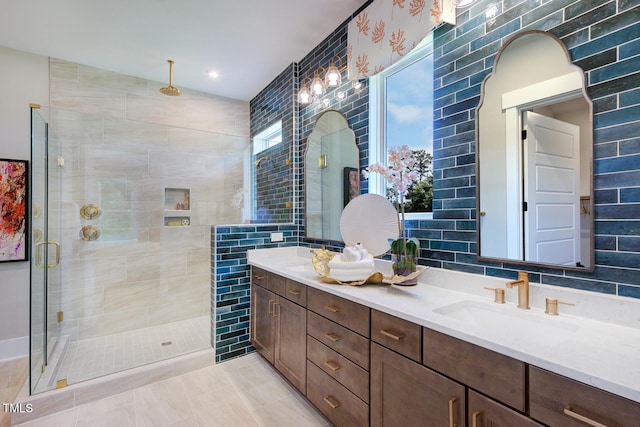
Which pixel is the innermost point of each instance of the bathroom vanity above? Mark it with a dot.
(443, 353)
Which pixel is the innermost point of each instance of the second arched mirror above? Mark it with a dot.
(331, 175)
(534, 157)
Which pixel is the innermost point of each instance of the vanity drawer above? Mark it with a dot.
(346, 313)
(550, 394)
(347, 373)
(268, 280)
(337, 403)
(296, 292)
(397, 334)
(491, 373)
(349, 344)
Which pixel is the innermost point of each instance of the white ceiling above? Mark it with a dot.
(248, 42)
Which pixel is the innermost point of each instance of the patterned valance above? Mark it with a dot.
(388, 29)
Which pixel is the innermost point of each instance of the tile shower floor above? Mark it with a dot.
(105, 355)
(245, 391)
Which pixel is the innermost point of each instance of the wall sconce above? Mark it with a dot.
(333, 76)
(322, 161)
(317, 85)
(323, 78)
(304, 95)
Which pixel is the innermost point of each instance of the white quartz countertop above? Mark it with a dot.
(596, 342)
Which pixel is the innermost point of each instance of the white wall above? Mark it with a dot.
(24, 79)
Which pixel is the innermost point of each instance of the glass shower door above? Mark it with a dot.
(45, 250)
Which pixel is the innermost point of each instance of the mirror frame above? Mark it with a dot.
(304, 189)
(586, 97)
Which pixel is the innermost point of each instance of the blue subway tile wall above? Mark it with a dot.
(231, 282)
(602, 37)
(274, 179)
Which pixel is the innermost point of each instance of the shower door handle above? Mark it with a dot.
(39, 254)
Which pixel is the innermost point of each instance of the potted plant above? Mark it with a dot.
(400, 175)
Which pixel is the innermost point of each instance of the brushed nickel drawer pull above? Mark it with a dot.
(295, 292)
(332, 337)
(332, 365)
(391, 335)
(474, 418)
(452, 401)
(332, 401)
(569, 412)
(332, 308)
(259, 277)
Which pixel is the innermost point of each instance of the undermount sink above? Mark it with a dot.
(509, 320)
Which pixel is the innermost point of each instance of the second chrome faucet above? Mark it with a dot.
(523, 289)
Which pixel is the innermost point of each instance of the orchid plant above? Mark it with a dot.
(400, 176)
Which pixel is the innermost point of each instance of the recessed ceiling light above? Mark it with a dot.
(212, 74)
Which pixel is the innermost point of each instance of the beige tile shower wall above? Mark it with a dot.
(123, 142)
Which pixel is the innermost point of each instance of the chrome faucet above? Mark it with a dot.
(523, 289)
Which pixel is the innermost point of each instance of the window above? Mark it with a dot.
(267, 138)
(401, 113)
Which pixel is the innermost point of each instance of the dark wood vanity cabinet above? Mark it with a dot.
(405, 393)
(360, 366)
(279, 327)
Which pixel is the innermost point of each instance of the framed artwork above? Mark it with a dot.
(13, 210)
(351, 184)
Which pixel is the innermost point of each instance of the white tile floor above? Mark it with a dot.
(96, 357)
(245, 391)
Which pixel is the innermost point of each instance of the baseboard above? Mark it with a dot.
(14, 347)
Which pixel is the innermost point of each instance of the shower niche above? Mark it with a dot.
(177, 207)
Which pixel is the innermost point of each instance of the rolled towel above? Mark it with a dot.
(350, 254)
(337, 262)
(362, 250)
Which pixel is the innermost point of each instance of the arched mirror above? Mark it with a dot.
(534, 157)
(331, 175)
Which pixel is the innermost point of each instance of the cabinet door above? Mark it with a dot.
(484, 412)
(291, 342)
(405, 393)
(262, 333)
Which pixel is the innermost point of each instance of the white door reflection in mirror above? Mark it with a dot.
(552, 167)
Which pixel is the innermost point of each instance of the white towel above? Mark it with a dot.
(351, 275)
(351, 254)
(337, 262)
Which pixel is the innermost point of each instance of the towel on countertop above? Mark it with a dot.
(338, 263)
(351, 275)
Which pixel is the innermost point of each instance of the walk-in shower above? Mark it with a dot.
(120, 231)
